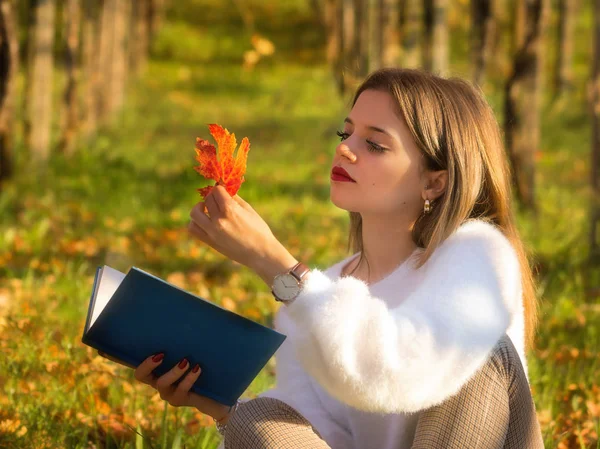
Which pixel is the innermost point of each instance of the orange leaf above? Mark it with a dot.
(221, 165)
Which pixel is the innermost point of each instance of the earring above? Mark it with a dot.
(427, 207)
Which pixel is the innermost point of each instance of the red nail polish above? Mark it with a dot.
(196, 368)
(158, 357)
(183, 364)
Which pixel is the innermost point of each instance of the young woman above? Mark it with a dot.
(418, 339)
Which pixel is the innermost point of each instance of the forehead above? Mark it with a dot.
(375, 107)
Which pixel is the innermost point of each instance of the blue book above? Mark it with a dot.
(133, 316)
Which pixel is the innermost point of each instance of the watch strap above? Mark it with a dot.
(299, 271)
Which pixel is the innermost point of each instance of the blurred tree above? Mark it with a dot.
(483, 36)
(29, 11)
(9, 63)
(107, 32)
(595, 113)
(435, 39)
(388, 33)
(41, 71)
(157, 15)
(140, 41)
(119, 57)
(334, 18)
(412, 52)
(563, 76)
(519, 15)
(113, 57)
(90, 61)
(361, 43)
(522, 98)
(70, 113)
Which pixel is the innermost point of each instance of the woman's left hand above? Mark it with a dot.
(234, 228)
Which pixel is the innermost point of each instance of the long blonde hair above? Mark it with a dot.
(455, 129)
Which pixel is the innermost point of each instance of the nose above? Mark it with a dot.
(343, 150)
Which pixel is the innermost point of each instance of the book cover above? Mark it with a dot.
(132, 316)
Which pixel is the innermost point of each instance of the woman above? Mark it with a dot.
(418, 339)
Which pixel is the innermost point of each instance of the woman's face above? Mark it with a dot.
(378, 152)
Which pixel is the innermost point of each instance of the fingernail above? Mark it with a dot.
(158, 357)
(196, 368)
(183, 364)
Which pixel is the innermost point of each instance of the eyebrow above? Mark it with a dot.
(373, 128)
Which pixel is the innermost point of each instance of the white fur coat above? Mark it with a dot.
(418, 352)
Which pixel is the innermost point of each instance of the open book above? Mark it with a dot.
(133, 316)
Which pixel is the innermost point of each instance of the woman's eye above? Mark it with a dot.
(374, 148)
(342, 135)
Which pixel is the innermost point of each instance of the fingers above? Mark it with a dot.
(214, 211)
(199, 233)
(242, 203)
(143, 372)
(198, 214)
(164, 384)
(182, 390)
(200, 224)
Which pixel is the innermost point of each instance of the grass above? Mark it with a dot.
(124, 200)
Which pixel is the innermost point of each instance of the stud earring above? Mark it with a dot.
(427, 207)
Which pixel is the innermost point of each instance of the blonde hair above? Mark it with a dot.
(455, 129)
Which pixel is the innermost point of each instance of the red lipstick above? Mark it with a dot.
(339, 174)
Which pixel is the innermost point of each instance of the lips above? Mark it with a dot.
(338, 173)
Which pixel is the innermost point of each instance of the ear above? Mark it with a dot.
(436, 183)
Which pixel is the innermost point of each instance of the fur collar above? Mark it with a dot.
(413, 355)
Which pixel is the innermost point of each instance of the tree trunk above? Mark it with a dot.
(113, 57)
(435, 42)
(70, 122)
(361, 17)
(91, 67)
(412, 50)
(483, 36)
(335, 45)
(391, 33)
(107, 23)
(118, 76)
(522, 98)
(563, 76)
(520, 7)
(156, 17)
(595, 157)
(29, 45)
(9, 62)
(40, 100)
(141, 36)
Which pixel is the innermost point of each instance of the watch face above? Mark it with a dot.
(286, 287)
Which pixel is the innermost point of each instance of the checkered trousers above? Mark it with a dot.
(494, 410)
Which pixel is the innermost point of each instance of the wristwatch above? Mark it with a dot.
(288, 285)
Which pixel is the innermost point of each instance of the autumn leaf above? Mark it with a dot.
(220, 164)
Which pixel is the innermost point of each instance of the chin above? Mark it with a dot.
(340, 202)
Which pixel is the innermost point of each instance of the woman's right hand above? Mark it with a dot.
(179, 395)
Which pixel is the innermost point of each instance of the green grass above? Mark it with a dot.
(124, 199)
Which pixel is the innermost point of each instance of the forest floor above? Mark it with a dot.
(124, 199)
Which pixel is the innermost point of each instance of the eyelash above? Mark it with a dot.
(373, 147)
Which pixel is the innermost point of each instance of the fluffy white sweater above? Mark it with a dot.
(361, 361)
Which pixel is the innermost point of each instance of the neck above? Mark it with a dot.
(386, 244)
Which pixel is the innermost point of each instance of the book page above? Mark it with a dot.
(109, 280)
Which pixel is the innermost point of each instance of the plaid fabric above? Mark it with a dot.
(494, 410)
(270, 423)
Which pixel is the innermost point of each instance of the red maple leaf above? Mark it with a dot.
(221, 165)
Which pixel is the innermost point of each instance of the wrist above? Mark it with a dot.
(221, 414)
(275, 264)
